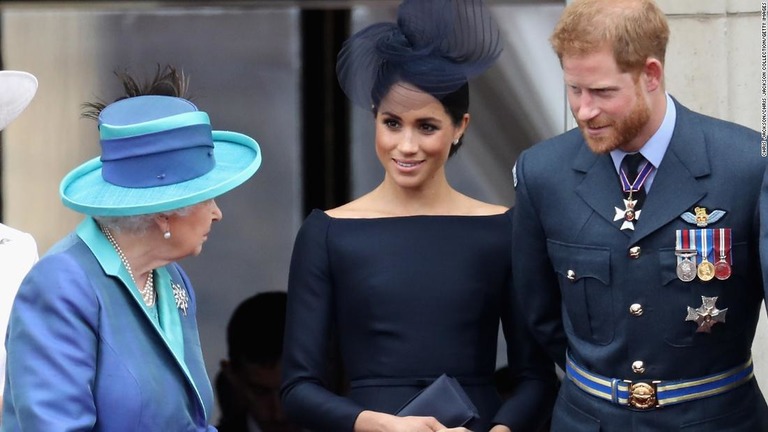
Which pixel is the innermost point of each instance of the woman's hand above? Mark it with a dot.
(372, 421)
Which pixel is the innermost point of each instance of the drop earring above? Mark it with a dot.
(167, 234)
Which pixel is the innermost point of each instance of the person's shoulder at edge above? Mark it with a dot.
(554, 146)
(539, 160)
(11, 233)
(18, 241)
(711, 121)
(727, 143)
(65, 243)
(720, 131)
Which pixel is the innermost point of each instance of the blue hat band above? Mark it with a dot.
(158, 159)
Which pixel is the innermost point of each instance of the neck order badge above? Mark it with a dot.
(634, 189)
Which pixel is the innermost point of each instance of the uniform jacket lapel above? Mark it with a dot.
(676, 187)
(600, 187)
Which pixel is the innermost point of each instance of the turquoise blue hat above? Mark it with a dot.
(158, 153)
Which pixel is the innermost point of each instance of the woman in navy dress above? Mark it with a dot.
(411, 279)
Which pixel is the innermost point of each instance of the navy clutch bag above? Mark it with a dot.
(444, 400)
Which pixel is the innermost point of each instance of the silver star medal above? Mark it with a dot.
(180, 295)
(706, 315)
(628, 214)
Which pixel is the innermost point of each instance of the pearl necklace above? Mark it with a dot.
(148, 292)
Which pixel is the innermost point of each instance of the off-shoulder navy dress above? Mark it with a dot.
(407, 299)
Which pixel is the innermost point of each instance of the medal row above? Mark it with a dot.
(703, 253)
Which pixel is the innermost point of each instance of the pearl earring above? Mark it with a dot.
(167, 235)
(456, 141)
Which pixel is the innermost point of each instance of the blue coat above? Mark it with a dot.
(575, 275)
(84, 355)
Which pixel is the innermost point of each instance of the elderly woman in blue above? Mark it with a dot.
(102, 334)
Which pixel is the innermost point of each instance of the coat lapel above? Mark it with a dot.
(600, 187)
(676, 187)
(90, 233)
(180, 334)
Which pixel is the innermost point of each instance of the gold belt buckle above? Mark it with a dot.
(642, 395)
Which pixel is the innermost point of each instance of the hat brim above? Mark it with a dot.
(17, 89)
(84, 190)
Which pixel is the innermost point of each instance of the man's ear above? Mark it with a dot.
(653, 74)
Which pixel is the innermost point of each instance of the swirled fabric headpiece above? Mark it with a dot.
(436, 45)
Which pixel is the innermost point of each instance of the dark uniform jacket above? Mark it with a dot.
(612, 298)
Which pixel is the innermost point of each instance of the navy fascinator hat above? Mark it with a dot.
(436, 45)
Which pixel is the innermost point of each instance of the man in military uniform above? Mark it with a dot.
(636, 239)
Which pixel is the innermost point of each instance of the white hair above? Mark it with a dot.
(139, 224)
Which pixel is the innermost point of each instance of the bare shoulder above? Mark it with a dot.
(361, 208)
(476, 207)
(346, 211)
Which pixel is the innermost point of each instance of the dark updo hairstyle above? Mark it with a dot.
(456, 104)
(436, 45)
